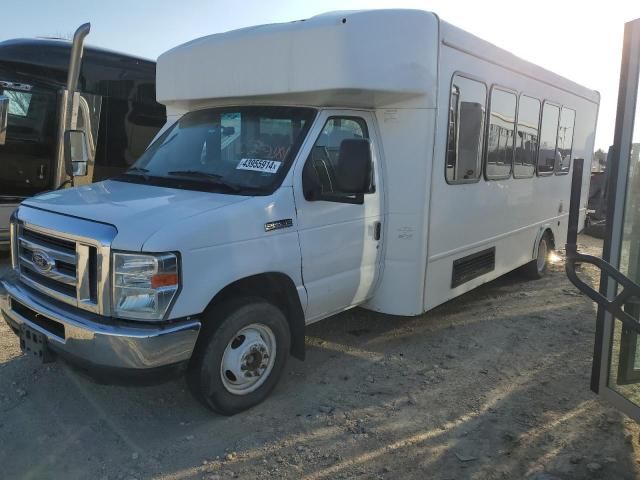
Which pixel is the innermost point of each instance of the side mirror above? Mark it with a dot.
(76, 153)
(311, 187)
(353, 172)
(4, 112)
(346, 181)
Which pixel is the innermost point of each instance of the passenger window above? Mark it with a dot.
(527, 137)
(548, 139)
(465, 132)
(502, 125)
(565, 140)
(325, 155)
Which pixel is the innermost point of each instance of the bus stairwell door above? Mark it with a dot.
(616, 368)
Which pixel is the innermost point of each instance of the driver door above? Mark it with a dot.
(340, 241)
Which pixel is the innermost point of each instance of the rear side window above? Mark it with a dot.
(548, 139)
(500, 141)
(527, 135)
(565, 140)
(465, 133)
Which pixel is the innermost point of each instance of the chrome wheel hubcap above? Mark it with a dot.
(248, 359)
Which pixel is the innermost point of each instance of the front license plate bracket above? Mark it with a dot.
(34, 343)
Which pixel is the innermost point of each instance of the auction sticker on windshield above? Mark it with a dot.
(259, 165)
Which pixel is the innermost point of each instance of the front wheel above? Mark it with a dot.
(236, 365)
(538, 268)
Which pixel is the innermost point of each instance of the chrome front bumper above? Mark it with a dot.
(93, 340)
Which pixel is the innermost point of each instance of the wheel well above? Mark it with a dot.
(278, 289)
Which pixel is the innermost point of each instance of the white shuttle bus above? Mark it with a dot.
(382, 159)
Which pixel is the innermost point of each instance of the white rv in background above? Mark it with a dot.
(382, 159)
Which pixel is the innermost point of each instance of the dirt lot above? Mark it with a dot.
(494, 385)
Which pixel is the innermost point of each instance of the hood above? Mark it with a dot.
(137, 211)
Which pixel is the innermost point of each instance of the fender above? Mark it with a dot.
(277, 288)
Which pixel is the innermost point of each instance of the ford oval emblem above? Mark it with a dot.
(42, 261)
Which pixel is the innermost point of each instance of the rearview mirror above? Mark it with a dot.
(76, 153)
(4, 112)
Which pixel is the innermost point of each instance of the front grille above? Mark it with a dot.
(60, 243)
(68, 290)
(59, 267)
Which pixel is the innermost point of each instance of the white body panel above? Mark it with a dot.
(393, 69)
(218, 248)
(508, 214)
(334, 59)
(407, 174)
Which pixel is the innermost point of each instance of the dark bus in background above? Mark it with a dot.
(114, 104)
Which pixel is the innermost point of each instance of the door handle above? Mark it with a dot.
(377, 230)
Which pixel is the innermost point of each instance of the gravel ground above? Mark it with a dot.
(493, 385)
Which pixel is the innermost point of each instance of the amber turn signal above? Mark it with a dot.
(164, 280)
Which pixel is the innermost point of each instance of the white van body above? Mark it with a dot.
(415, 242)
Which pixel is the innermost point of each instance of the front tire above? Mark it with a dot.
(236, 365)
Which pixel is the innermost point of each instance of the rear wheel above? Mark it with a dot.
(236, 365)
(538, 268)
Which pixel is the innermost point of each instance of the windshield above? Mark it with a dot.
(242, 150)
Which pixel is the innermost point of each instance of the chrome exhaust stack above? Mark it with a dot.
(68, 99)
(75, 62)
(4, 111)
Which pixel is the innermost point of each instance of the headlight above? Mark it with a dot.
(144, 285)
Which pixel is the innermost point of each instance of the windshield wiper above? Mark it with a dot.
(137, 169)
(138, 172)
(213, 178)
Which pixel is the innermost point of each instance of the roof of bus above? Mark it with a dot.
(363, 58)
(46, 62)
(338, 58)
(464, 41)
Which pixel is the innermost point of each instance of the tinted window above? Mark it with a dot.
(548, 138)
(26, 159)
(466, 126)
(565, 139)
(324, 156)
(126, 129)
(526, 137)
(502, 119)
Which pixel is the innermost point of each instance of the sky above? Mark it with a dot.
(581, 40)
